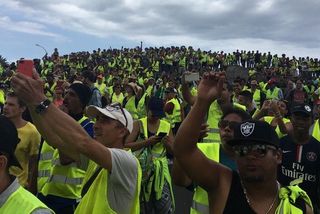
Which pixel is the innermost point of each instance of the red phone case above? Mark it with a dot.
(25, 67)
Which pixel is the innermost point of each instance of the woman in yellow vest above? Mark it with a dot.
(150, 140)
(13, 197)
(274, 112)
(117, 95)
(130, 102)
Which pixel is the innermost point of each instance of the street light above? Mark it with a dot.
(42, 48)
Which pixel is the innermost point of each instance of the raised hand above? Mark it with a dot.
(29, 90)
(211, 86)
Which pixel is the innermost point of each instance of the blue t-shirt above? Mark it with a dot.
(88, 126)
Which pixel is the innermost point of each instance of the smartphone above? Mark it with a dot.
(162, 134)
(190, 77)
(25, 66)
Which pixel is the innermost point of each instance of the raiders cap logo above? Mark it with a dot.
(307, 108)
(247, 128)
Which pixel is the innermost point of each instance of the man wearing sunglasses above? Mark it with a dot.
(254, 188)
(112, 181)
(13, 197)
(301, 155)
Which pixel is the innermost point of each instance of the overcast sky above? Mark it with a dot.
(279, 26)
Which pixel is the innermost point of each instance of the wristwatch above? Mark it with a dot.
(42, 106)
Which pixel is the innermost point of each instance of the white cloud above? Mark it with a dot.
(24, 27)
(287, 25)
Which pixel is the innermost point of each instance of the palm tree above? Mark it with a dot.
(3, 62)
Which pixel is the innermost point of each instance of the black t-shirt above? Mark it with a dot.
(237, 202)
(301, 161)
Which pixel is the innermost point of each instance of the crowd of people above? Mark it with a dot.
(111, 131)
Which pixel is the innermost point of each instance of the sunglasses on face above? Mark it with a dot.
(116, 107)
(224, 123)
(258, 150)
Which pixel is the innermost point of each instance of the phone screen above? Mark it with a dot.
(162, 134)
(25, 67)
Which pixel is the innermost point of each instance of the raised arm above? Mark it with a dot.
(200, 169)
(71, 138)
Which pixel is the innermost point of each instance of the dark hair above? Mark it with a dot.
(90, 75)
(247, 94)
(234, 110)
(20, 102)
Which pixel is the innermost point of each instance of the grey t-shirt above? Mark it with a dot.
(122, 180)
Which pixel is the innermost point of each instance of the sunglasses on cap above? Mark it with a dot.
(116, 107)
(224, 123)
(258, 150)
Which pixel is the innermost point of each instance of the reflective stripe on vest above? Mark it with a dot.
(43, 173)
(96, 198)
(65, 180)
(22, 201)
(46, 156)
(200, 203)
(211, 141)
(44, 165)
(200, 208)
(214, 115)
(212, 130)
(256, 97)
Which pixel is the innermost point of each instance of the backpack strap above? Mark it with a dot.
(90, 181)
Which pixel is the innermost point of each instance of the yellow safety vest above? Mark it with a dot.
(95, 201)
(117, 98)
(200, 203)
(44, 165)
(274, 95)
(256, 97)
(214, 115)
(269, 119)
(160, 164)
(316, 130)
(2, 96)
(65, 180)
(52, 88)
(175, 117)
(21, 201)
(131, 107)
(101, 87)
(164, 126)
(141, 110)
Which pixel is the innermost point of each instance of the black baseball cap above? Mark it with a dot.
(254, 132)
(9, 140)
(302, 108)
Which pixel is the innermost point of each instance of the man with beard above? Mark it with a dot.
(59, 178)
(301, 154)
(254, 187)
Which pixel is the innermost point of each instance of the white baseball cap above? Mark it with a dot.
(114, 111)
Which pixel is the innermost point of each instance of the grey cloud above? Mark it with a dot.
(289, 21)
